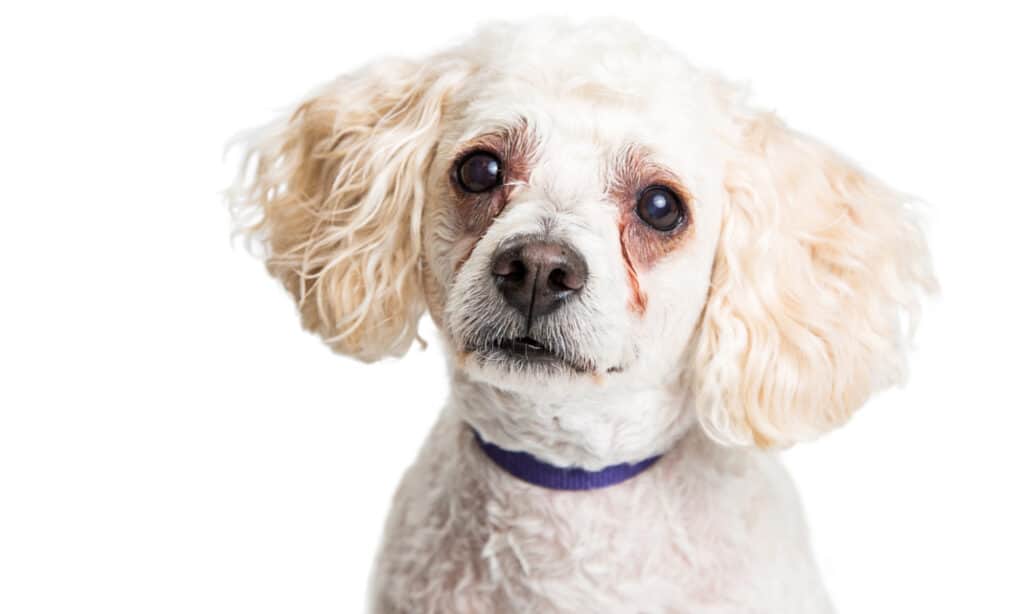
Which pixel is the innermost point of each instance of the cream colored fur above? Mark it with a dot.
(789, 303)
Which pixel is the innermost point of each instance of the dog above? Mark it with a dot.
(644, 287)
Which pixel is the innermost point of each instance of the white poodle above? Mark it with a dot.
(643, 285)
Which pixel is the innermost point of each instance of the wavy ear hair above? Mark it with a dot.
(814, 293)
(335, 196)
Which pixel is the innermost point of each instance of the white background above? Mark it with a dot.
(170, 441)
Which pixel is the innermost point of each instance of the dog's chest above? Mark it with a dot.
(464, 537)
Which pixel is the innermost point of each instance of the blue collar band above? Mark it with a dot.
(529, 468)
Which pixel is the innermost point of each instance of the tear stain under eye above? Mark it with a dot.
(466, 254)
(638, 300)
(477, 233)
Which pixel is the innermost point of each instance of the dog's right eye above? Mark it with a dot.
(478, 171)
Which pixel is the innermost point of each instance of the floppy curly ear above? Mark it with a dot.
(814, 292)
(335, 195)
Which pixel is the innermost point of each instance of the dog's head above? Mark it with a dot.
(581, 210)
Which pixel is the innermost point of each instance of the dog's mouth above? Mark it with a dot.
(524, 346)
(528, 351)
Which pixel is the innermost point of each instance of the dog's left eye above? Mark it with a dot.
(660, 208)
(479, 171)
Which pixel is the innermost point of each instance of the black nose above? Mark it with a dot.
(537, 276)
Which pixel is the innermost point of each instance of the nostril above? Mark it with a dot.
(510, 269)
(563, 280)
(557, 280)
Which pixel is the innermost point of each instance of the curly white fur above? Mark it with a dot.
(784, 305)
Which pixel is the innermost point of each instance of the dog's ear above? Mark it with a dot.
(335, 195)
(814, 292)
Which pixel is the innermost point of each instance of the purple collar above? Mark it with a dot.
(529, 468)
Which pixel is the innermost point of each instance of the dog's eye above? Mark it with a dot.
(660, 208)
(479, 171)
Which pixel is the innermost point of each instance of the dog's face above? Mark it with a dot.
(579, 209)
(569, 233)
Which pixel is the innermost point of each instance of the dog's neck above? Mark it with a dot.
(590, 429)
(531, 469)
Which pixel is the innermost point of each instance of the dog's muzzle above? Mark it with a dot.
(517, 322)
